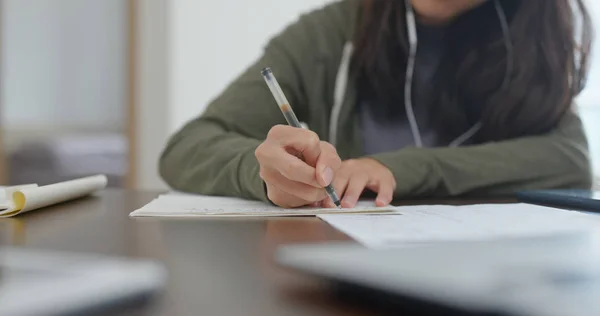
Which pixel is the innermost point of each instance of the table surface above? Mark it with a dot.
(215, 266)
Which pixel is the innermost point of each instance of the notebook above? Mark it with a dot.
(16, 200)
(425, 224)
(185, 205)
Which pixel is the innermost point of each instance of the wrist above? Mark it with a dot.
(413, 166)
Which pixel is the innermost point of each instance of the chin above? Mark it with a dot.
(441, 11)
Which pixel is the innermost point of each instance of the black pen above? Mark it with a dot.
(291, 118)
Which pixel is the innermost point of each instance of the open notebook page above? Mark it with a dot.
(199, 205)
(435, 223)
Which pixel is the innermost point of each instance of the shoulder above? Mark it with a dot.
(338, 18)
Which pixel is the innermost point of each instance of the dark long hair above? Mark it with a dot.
(551, 45)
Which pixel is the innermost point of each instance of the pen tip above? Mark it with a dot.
(338, 204)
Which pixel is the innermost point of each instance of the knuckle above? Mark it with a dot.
(312, 138)
(351, 163)
(337, 160)
(265, 152)
(262, 151)
(263, 174)
(342, 173)
(331, 151)
(328, 147)
(259, 152)
(275, 131)
(336, 164)
(356, 184)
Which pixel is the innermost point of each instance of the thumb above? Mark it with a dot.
(328, 163)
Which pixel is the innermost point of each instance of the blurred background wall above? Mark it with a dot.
(63, 82)
(64, 56)
(91, 86)
(208, 52)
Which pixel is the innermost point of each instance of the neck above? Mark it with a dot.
(430, 21)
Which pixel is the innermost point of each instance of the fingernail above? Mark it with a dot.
(327, 176)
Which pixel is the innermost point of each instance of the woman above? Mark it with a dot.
(415, 98)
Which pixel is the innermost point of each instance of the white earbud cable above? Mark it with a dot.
(507, 43)
(410, 69)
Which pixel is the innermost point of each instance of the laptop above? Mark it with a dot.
(34, 282)
(546, 276)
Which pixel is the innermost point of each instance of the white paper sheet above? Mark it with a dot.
(434, 223)
(32, 197)
(178, 205)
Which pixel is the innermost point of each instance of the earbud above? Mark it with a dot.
(411, 24)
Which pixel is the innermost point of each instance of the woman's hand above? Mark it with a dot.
(296, 166)
(356, 175)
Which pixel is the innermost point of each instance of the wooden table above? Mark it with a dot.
(216, 267)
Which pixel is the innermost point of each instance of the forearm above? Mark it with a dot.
(204, 158)
(491, 169)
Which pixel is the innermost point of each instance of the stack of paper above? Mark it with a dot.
(180, 205)
(435, 223)
(25, 198)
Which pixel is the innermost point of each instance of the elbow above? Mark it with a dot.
(171, 168)
(579, 174)
(190, 161)
(183, 168)
(167, 170)
(582, 178)
(177, 165)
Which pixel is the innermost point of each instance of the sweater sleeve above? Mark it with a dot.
(558, 159)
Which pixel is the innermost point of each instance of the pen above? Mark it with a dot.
(291, 118)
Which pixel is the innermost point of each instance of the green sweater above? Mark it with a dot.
(214, 153)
